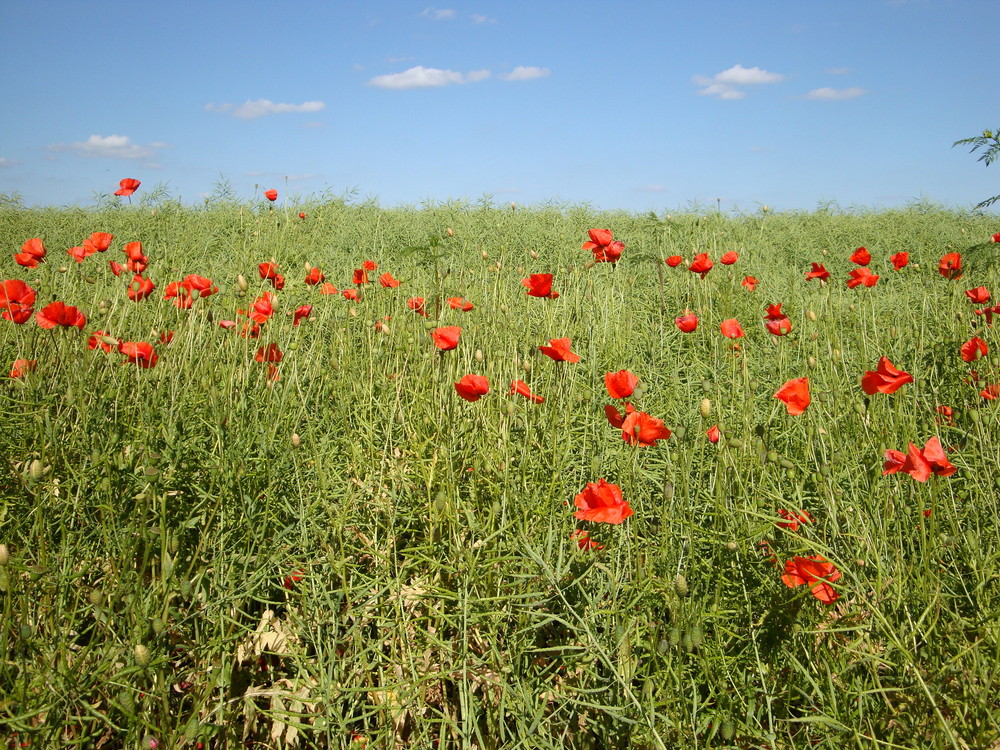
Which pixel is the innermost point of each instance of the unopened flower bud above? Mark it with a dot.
(141, 655)
(241, 282)
(705, 409)
(296, 440)
(681, 585)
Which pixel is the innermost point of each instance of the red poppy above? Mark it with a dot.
(104, 340)
(686, 322)
(301, 312)
(273, 373)
(472, 387)
(263, 308)
(328, 288)
(900, 260)
(791, 520)
(22, 367)
(271, 195)
(315, 276)
(559, 350)
(989, 312)
(947, 415)
(140, 288)
(269, 353)
(674, 260)
(116, 268)
(643, 429)
(818, 272)
(388, 281)
(583, 540)
(615, 419)
(950, 266)
(16, 300)
(729, 258)
(731, 329)
(127, 186)
(776, 321)
(701, 265)
(290, 580)
(137, 261)
(60, 314)
(521, 388)
(603, 245)
(714, 434)
(991, 392)
(540, 285)
(920, 464)
(861, 257)
(750, 283)
(351, 295)
(268, 271)
(446, 338)
(817, 573)
(795, 394)
(79, 254)
(199, 285)
(995, 237)
(98, 242)
(885, 378)
(369, 265)
(139, 353)
(417, 305)
(979, 295)
(620, 384)
(32, 253)
(361, 276)
(601, 502)
(973, 349)
(861, 276)
(460, 303)
(166, 337)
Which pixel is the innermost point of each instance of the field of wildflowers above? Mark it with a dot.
(334, 475)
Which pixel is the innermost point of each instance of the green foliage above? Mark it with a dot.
(989, 142)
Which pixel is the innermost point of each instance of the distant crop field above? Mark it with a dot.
(467, 476)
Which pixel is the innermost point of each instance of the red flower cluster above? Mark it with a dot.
(920, 464)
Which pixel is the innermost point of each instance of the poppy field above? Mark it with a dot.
(334, 475)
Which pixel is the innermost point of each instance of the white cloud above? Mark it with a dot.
(109, 147)
(251, 109)
(525, 73)
(479, 18)
(8, 163)
(651, 189)
(439, 14)
(420, 77)
(828, 94)
(838, 71)
(728, 83)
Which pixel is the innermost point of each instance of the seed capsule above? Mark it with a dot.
(35, 470)
(296, 440)
(811, 315)
(681, 585)
(705, 409)
(241, 282)
(141, 655)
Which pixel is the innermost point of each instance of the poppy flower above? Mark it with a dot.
(861, 276)
(643, 429)
(351, 295)
(795, 394)
(521, 388)
(995, 237)
(263, 308)
(315, 276)
(103, 340)
(861, 257)
(615, 419)
(98, 242)
(818, 272)
(446, 338)
(460, 303)
(817, 573)
(139, 353)
(388, 281)
(268, 271)
(885, 378)
(472, 387)
(127, 186)
(989, 312)
(776, 321)
(979, 295)
(140, 288)
(973, 349)
(729, 258)
(290, 580)
(900, 260)
(620, 384)
(269, 353)
(603, 246)
(791, 520)
(271, 195)
(301, 312)
(22, 367)
(946, 415)
(701, 265)
(991, 392)
(166, 337)
(601, 502)
(539, 285)
(116, 268)
(950, 266)
(714, 434)
(919, 464)
(137, 261)
(674, 260)
(686, 322)
(361, 276)
(731, 329)
(60, 314)
(16, 300)
(32, 253)
(417, 305)
(559, 350)
(79, 254)
(583, 540)
(302, 214)
(328, 288)
(369, 265)
(199, 285)
(750, 283)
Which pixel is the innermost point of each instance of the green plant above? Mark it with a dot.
(989, 141)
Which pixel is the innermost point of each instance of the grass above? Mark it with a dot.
(153, 518)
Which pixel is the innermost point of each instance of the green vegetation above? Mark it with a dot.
(352, 555)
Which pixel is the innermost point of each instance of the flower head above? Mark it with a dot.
(60, 314)
(643, 429)
(776, 321)
(818, 272)
(601, 502)
(885, 378)
(729, 258)
(817, 573)
(472, 387)
(950, 266)
(127, 186)
(701, 265)
(446, 337)
(271, 195)
(795, 395)
(687, 322)
(674, 260)
(900, 260)
(140, 353)
(603, 246)
(540, 285)
(521, 388)
(620, 384)
(861, 257)
(731, 329)
(559, 350)
(860, 276)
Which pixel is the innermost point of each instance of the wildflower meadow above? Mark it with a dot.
(308, 474)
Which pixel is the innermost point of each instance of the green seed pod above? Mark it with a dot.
(786, 464)
(706, 385)
(35, 470)
(186, 589)
(142, 655)
(697, 636)
(686, 643)
(479, 355)
(727, 729)
(974, 416)
(705, 409)
(680, 432)
(681, 585)
(674, 636)
(4, 555)
(825, 470)
(736, 444)
(772, 457)
(860, 409)
(173, 544)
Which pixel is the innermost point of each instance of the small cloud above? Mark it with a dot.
(439, 14)
(357, 67)
(109, 147)
(479, 18)
(838, 71)
(420, 77)
(728, 83)
(524, 73)
(651, 189)
(828, 94)
(4, 163)
(251, 109)
(314, 124)
(506, 191)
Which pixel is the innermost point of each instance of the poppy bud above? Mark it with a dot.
(450, 231)
(811, 315)
(705, 409)
(974, 417)
(680, 432)
(812, 363)
(141, 655)
(533, 255)
(479, 355)
(186, 589)
(241, 282)
(727, 729)
(4, 555)
(662, 646)
(681, 585)
(674, 636)
(772, 457)
(697, 636)
(35, 470)
(687, 642)
(731, 546)
(786, 464)
(296, 440)
(485, 255)
(736, 444)
(526, 365)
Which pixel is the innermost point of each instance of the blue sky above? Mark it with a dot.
(622, 105)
